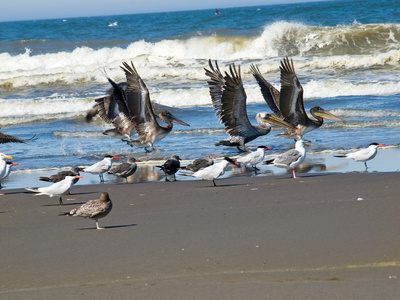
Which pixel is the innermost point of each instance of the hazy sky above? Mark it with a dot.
(14, 10)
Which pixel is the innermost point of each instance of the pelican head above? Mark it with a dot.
(167, 117)
(322, 113)
(268, 118)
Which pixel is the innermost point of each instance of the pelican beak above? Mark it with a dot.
(268, 118)
(329, 116)
(178, 121)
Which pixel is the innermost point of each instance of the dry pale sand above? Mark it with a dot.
(323, 236)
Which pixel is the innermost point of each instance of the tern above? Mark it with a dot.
(254, 158)
(100, 167)
(363, 155)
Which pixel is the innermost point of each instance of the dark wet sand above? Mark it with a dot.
(323, 236)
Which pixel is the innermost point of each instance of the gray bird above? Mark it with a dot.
(171, 166)
(126, 169)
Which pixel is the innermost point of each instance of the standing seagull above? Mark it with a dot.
(171, 166)
(93, 209)
(292, 158)
(363, 154)
(288, 103)
(200, 163)
(100, 167)
(125, 170)
(214, 171)
(229, 101)
(56, 189)
(254, 158)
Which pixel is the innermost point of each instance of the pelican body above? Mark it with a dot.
(288, 103)
(229, 101)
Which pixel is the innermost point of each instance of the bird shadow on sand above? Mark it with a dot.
(66, 204)
(109, 227)
(219, 185)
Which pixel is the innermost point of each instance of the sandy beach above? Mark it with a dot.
(322, 236)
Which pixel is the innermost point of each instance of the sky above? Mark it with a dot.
(17, 10)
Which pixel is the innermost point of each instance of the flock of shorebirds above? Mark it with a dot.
(128, 107)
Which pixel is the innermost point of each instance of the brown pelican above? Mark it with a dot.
(93, 209)
(364, 154)
(288, 103)
(229, 101)
(6, 138)
(134, 103)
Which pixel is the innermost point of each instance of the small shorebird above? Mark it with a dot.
(126, 169)
(100, 167)
(200, 163)
(93, 209)
(290, 159)
(363, 155)
(214, 171)
(254, 158)
(56, 189)
(171, 166)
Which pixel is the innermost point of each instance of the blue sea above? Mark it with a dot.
(346, 55)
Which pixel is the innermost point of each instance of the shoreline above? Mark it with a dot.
(322, 163)
(334, 234)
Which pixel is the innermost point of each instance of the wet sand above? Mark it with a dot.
(322, 236)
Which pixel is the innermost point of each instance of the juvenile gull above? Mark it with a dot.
(93, 209)
(126, 169)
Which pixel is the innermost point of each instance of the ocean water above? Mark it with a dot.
(346, 55)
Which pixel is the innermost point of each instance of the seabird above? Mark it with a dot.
(229, 101)
(364, 154)
(171, 166)
(200, 163)
(254, 158)
(214, 171)
(290, 159)
(126, 169)
(100, 167)
(135, 111)
(3, 165)
(288, 103)
(93, 209)
(56, 189)
(61, 175)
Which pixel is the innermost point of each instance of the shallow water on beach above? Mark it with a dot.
(52, 70)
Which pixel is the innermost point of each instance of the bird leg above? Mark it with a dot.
(97, 225)
(101, 177)
(60, 201)
(366, 167)
(293, 174)
(214, 182)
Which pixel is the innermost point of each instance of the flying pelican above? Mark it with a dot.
(288, 103)
(93, 209)
(364, 154)
(135, 104)
(254, 158)
(229, 102)
(290, 159)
